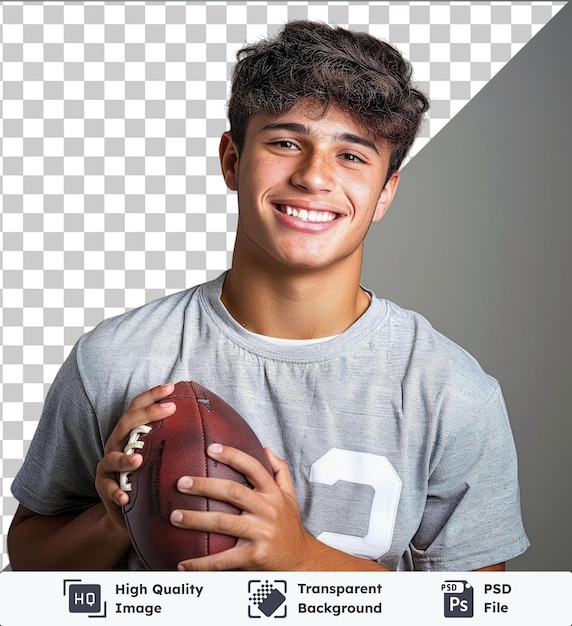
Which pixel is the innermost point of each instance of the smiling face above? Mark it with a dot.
(309, 186)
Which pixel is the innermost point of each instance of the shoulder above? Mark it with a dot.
(130, 353)
(434, 365)
(158, 323)
(159, 316)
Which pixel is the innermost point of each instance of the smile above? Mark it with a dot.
(307, 215)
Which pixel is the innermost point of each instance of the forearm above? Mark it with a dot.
(71, 541)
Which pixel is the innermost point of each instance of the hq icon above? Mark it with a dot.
(458, 598)
(84, 598)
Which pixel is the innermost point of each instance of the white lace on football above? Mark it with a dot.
(133, 444)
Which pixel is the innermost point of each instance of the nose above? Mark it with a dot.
(314, 173)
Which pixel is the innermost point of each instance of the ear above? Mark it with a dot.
(228, 155)
(386, 197)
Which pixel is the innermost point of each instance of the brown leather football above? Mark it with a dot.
(175, 447)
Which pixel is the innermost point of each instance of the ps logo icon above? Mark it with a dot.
(458, 598)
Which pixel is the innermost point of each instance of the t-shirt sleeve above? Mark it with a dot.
(472, 517)
(58, 473)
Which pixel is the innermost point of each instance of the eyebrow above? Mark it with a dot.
(304, 130)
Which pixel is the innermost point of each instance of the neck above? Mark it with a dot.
(296, 304)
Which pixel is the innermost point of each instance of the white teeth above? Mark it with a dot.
(310, 216)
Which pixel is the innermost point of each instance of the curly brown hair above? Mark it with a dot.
(352, 70)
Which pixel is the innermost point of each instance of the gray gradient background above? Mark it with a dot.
(478, 240)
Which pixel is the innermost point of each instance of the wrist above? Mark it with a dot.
(325, 558)
(114, 527)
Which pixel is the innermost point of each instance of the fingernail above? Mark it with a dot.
(177, 517)
(180, 567)
(185, 482)
(215, 448)
(167, 405)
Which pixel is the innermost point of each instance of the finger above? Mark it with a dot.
(276, 463)
(151, 395)
(147, 414)
(231, 524)
(137, 417)
(110, 468)
(222, 561)
(222, 490)
(108, 490)
(119, 496)
(242, 462)
(281, 472)
(115, 462)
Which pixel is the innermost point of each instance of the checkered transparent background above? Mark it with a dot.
(110, 187)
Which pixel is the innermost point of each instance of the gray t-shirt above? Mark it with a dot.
(399, 445)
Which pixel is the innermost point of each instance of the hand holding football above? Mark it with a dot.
(175, 447)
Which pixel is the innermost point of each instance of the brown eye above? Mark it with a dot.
(352, 158)
(285, 143)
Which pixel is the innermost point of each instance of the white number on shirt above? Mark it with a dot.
(366, 469)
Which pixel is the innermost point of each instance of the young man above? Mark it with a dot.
(391, 449)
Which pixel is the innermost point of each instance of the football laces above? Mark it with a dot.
(133, 444)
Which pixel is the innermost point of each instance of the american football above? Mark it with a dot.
(175, 447)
